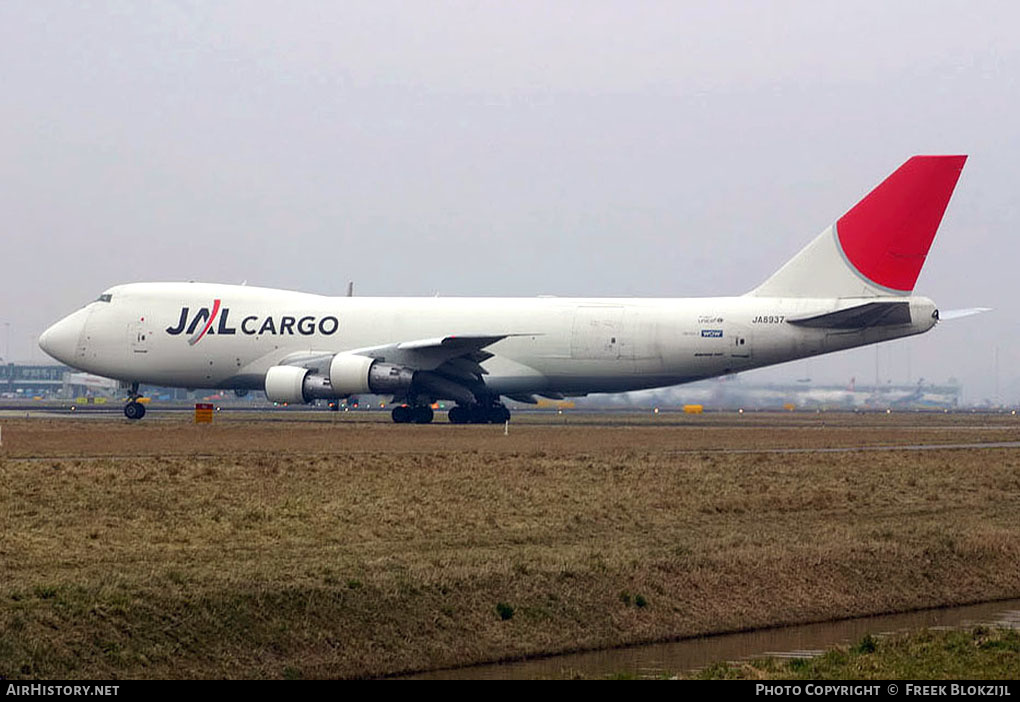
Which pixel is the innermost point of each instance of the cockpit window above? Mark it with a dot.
(105, 297)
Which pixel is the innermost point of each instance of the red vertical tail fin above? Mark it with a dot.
(880, 245)
(886, 236)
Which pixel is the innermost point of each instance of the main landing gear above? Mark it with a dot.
(479, 414)
(134, 409)
(461, 414)
(406, 414)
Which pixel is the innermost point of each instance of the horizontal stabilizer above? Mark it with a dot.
(870, 314)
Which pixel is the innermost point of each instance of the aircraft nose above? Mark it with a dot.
(61, 339)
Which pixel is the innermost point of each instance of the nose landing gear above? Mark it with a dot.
(134, 410)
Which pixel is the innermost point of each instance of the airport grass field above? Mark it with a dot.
(340, 545)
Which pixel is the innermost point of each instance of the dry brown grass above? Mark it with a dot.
(326, 432)
(295, 548)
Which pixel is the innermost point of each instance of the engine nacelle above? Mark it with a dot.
(285, 383)
(349, 374)
(352, 374)
(293, 384)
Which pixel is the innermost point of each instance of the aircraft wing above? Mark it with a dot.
(448, 366)
(462, 354)
(458, 355)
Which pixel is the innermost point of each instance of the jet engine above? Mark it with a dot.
(349, 374)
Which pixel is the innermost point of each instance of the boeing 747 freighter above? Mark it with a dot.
(852, 285)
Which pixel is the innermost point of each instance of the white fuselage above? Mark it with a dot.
(152, 333)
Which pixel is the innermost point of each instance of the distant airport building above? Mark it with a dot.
(732, 394)
(18, 380)
(56, 381)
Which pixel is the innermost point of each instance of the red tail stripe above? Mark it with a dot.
(886, 236)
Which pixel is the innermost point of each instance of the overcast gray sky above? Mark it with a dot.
(503, 148)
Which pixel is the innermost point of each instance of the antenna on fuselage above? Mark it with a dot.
(350, 288)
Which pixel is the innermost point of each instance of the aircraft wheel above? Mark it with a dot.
(496, 414)
(423, 414)
(459, 415)
(134, 410)
(402, 414)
